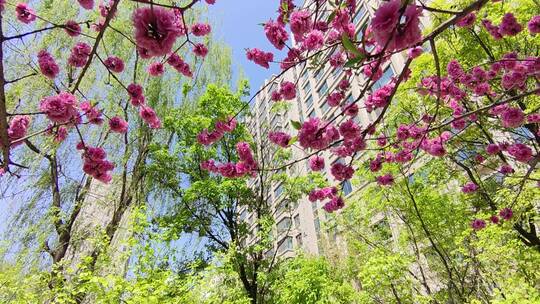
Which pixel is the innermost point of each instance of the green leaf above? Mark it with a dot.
(349, 46)
(296, 124)
(331, 17)
(293, 140)
(353, 61)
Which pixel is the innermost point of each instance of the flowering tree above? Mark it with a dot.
(488, 95)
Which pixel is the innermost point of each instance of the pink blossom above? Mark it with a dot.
(533, 118)
(467, 21)
(24, 13)
(47, 65)
(281, 139)
(209, 165)
(72, 28)
(293, 56)
(288, 90)
(338, 59)
(316, 163)
(341, 172)
(86, 4)
(492, 149)
(334, 99)
(156, 29)
(200, 50)
(494, 219)
(334, 204)
(344, 84)
(244, 151)
(149, 116)
(454, 69)
(135, 92)
(521, 152)
(506, 213)
(114, 64)
(506, 169)
(275, 96)
(210, 1)
(60, 134)
(79, 54)
(478, 224)
(105, 8)
(512, 118)
(300, 23)
(92, 113)
(96, 165)
(312, 135)
(61, 108)
(493, 30)
(226, 126)
(276, 34)
(469, 187)
(415, 52)
(385, 180)
(389, 32)
(118, 125)
(260, 57)
(201, 29)
(349, 129)
(534, 25)
(314, 40)
(350, 109)
(18, 127)
(156, 69)
(509, 25)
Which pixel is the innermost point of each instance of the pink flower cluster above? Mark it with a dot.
(276, 34)
(201, 29)
(114, 64)
(79, 54)
(156, 69)
(47, 65)
(316, 163)
(505, 213)
(149, 116)
(313, 135)
(341, 172)
(86, 4)
(261, 58)
(281, 139)
(18, 127)
(200, 50)
(509, 27)
(92, 113)
(72, 28)
(207, 138)
(380, 98)
(96, 165)
(287, 91)
(25, 14)
(246, 165)
(156, 30)
(534, 25)
(136, 94)
(467, 21)
(118, 125)
(385, 180)
(61, 108)
(179, 65)
(469, 187)
(336, 202)
(392, 33)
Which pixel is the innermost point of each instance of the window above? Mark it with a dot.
(243, 215)
(385, 78)
(309, 102)
(322, 89)
(360, 15)
(522, 135)
(307, 87)
(284, 225)
(347, 187)
(304, 75)
(285, 244)
(317, 226)
(312, 113)
(319, 74)
(325, 107)
(299, 241)
(282, 207)
(278, 191)
(299, 110)
(297, 221)
(337, 71)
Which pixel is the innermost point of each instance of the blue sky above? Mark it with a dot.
(237, 24)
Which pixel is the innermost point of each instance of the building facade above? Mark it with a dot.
(298, 227)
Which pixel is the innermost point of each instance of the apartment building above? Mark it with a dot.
(298, 227)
